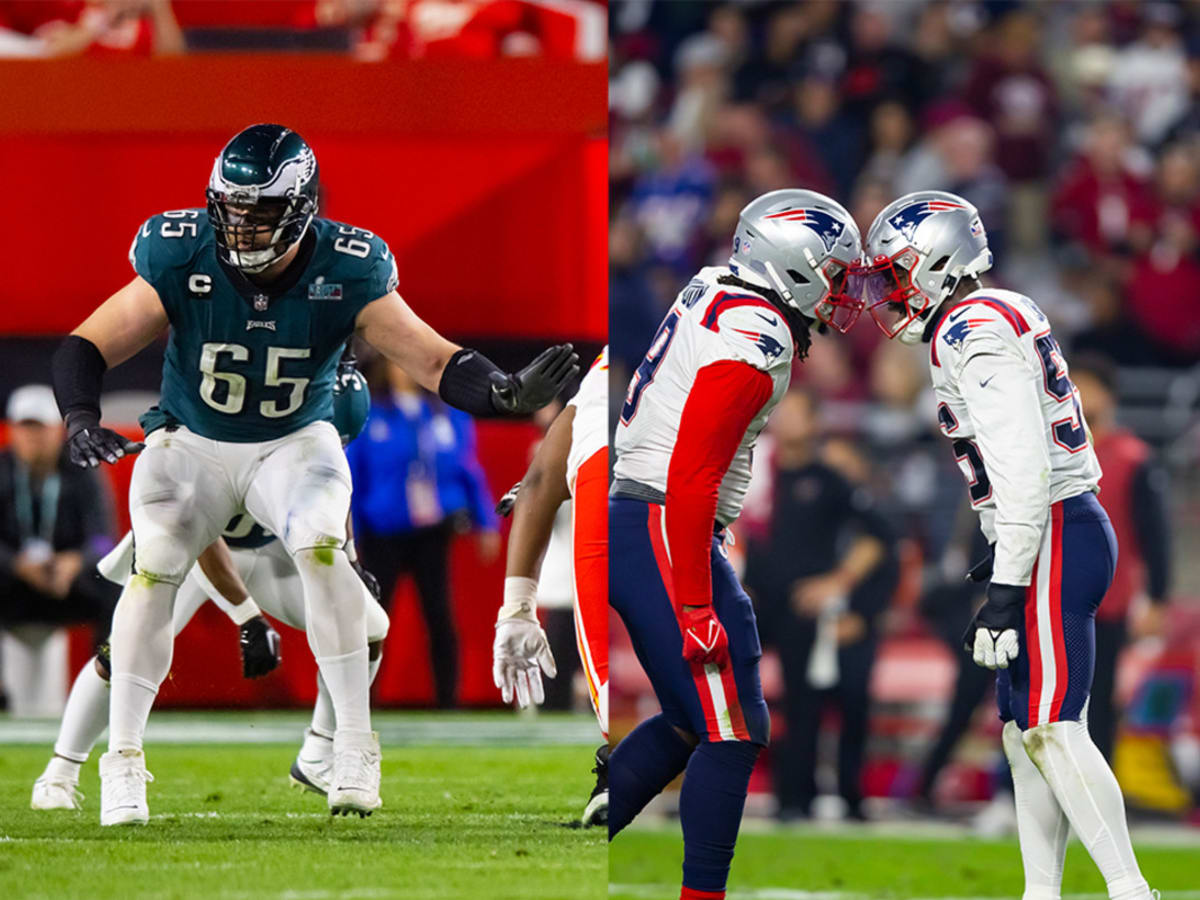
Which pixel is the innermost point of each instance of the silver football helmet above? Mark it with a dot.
(918, 249)
(802, 245)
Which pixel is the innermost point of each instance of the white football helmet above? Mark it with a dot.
(802, 245)
(918, 249)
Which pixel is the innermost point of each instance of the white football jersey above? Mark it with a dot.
(1007, 402)
(708, 323)
(589, 428)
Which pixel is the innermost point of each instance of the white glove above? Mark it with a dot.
(519, 656)
(521, 652)
(995, 649)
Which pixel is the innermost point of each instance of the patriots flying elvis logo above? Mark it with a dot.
(828, 228)
(770, 347)
(907, 219)
(957, 333)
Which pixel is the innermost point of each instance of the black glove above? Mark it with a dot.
(982, 570)
(88, 443)
(368, 579)
(508, 501)
(1004, 608)
(260, 647)
(537, 384)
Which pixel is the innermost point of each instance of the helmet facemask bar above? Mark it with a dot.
(839, 308)
(241, 219)
(886, 288)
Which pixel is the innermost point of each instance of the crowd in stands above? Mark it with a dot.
(368, 30)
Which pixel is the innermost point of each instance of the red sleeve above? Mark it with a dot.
(723, 402)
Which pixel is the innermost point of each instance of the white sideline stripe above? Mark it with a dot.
(461, 732)
(657, 891)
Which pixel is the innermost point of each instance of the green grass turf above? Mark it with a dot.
(774, 865)
(457, 822)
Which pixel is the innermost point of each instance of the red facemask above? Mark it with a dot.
(839, 309)
(885, 287)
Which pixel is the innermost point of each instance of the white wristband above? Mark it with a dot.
(520, 599)
(244, 612)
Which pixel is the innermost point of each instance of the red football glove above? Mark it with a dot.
(704, 639)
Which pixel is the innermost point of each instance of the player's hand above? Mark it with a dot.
(520, 654)
(505, 506)
(527, 391)
(88, 443)
(260, 647)
(991, 637)
(995, 649)
(368, 579)
(704, 638)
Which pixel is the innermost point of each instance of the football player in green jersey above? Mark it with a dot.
(260, 295)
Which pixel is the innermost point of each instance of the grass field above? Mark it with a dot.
(806, 863)
(473, 807)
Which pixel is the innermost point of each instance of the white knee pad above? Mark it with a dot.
(161, 557)
(377, 618)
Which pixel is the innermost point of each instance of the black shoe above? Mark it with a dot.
(596, 811)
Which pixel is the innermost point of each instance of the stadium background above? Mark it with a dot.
(484, 174)
(1073, 128)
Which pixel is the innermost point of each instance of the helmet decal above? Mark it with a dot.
(828, 228)
(906, 220)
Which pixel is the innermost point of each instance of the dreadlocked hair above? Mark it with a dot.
(798, 323)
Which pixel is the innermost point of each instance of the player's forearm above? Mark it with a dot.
(725, 399)
(220, 576)
(1004, 406)
(543, 490)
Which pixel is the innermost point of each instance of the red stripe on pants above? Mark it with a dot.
(1056, 623)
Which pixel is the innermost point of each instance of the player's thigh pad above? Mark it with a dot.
(712, 703)
(1073, 571)
(179, 500)
(300, 490)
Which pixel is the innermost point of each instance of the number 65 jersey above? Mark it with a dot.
(1007, 402)
(708, 325)
(246, 363)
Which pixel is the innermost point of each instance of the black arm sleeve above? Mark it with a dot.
(1151, 523)
(466, 383)
(77, 369)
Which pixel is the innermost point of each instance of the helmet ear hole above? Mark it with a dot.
(940, 264)
(796, 277)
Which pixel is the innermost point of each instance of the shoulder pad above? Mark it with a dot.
(752, 329)
(364, 255)
(976, 321)
(167, 241)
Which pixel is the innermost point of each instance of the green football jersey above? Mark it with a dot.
(248, 363)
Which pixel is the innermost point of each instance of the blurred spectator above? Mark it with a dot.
(1010, 90)
(821, 576)
(1164, 291)
(668, 200)
(417, 482)
(1098, 192)
(97, 27)
(1148, 80)
(1134, 494)
(878, 65)
(55, 523)
(633, 314)
(891, 139)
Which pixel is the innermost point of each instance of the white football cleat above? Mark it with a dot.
(55, 793)
(355, 784)
(123, 778)
(313, 766)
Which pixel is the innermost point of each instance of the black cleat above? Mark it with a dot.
(596, 811)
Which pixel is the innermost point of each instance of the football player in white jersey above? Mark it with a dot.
(721, 361)
(1006, 400)
(571, 463)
